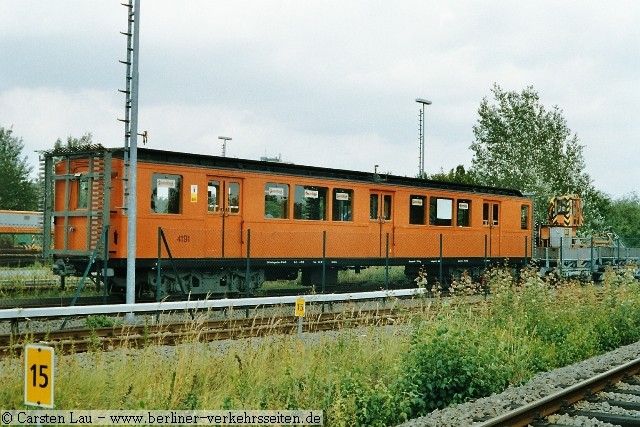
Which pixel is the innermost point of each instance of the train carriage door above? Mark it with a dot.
(381, 214)
(224, 217)
(491, 222)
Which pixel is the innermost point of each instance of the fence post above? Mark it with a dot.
(484, 260)
(441, 281)
(386, 265)
(324, 260)
(592, 263)
(158, 265)
(485, 252)
(561, 255)
(105, 260)
(248, 271)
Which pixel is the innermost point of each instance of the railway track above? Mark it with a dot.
(105, 338)
(611, 396)
(18, 258)
(62, 301)
(22, 289)
(29, 285)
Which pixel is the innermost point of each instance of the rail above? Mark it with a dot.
(555, 402)
(134, 336)
(30, 313)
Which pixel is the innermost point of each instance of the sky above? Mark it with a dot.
(326, 83)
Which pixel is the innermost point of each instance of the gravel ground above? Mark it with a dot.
(541, 385)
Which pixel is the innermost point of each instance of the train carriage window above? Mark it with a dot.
(485, 213)
(440, 211)
(490, 214)
(165, 193)
(233, 197)
(417, 207)
(276, 200)
(373, 206)
(342, 205)
(213, 196)
(83, 192)
(386, 207)
(310, 203)
(524, 217)
(463, 213)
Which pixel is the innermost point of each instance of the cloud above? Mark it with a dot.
(330, 83)
(41, 115)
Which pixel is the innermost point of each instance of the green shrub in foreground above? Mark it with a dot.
(533, 326)
(452, 365)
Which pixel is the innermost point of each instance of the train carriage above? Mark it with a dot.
(20, 238)
(221, 218)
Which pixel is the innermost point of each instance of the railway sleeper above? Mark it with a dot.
(619, 420)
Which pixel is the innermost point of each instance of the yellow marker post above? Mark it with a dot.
(38, 375)
(300, 307)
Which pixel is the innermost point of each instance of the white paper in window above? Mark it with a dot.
(445, 207)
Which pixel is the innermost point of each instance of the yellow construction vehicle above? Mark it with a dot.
(560, 250)
(565, 217)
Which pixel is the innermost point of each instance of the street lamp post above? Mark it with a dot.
(224, 144)
(422, 103)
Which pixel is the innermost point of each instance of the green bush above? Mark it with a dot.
(358, 401)
(533, 325)
(451, 365)
(617, 321)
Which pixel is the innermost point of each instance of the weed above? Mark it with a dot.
(102, 321)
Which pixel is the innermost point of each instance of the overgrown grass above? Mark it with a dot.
(449, 353)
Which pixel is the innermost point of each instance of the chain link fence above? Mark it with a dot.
(193, 262)
(318, 258)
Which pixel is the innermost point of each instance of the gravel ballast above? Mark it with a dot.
(540, 386)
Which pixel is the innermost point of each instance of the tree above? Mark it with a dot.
(18, 191)
(86, 139)
(459, 174)
(597, 206)
(624, 218)
(519, 144)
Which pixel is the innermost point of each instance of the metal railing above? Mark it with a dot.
(228, 303)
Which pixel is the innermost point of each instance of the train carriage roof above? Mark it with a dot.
(230, 163)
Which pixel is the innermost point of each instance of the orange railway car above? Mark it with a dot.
(226, 225)
(18, 223)
(20, 238)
